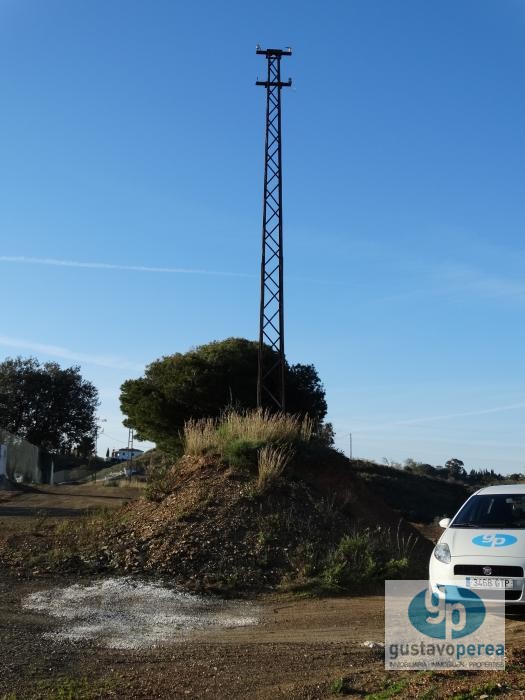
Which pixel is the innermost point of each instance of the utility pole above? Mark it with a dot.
(98, 431)
(350, 435)
(271, 365)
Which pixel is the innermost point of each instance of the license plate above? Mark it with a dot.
(489, 583)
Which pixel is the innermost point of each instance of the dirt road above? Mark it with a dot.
(62, 501)
(298, 650)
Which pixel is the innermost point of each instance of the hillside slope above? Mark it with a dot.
(416, 497)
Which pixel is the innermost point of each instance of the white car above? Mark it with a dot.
(483, 546)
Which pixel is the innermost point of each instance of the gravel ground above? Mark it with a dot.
(275, 647)
(128, 613)
(41, 659)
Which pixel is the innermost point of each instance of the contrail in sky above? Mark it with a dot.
(67, 354)
(110, 266)
(56, 262)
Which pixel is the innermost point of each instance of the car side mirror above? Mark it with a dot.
(444, 522)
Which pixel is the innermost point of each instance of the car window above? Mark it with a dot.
(494, 510)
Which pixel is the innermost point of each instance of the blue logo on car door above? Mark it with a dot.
(497, 540)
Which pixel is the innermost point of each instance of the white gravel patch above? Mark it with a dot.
(124, 613)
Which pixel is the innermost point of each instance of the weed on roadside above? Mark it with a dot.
(392, 688)
(72, 541)
(40, 520)
(429, 694)
(342, 686)
(487, 690)
(69, 688)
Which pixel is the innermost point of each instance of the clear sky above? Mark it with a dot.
(131, 142)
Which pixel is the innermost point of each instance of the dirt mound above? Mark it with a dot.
(216, 529)
(209, 525)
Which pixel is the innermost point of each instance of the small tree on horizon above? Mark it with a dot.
(456, 469)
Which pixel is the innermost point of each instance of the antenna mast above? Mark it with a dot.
(271, 369)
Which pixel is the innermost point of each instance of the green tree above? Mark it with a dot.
(47, 405)
(414, 467)
(205, 381)
(456, 469)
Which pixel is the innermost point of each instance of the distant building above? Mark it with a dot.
(126, 454)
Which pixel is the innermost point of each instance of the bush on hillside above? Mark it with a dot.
(367, 557)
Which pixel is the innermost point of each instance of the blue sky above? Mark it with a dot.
(131, 140)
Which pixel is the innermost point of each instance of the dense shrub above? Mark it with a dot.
(241, 453)
(366, 558)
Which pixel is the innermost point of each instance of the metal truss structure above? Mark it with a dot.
(272, 364)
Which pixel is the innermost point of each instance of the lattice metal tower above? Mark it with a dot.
(271, 370)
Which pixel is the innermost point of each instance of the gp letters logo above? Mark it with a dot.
(497, 540)
(456, 613)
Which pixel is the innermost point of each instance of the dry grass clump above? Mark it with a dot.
(272, 461)
(263, 426)
(259, 427)
(200, 436)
